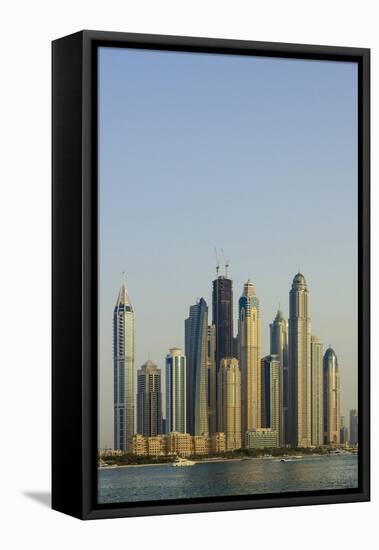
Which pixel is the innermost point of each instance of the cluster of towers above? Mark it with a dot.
(221, 383)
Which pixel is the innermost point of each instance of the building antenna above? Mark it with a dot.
(217, 262)
(226, 263)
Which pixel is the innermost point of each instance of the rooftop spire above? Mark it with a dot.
(123, 296)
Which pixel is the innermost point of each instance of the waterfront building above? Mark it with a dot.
(270, 367)
(179, 444)
(261, 438)
(156, 446)
(123, 367)
(229, 402)
(344, 432)
(299, 362)
(211, 379)
(218, 442)
(137, 444)
(279, 347)
(196, 339)
(249, 353)
(222, 316)
(176, 392)
(317, 395)
(149, 400)
(353, 427)
(200, 445)
(332, 414)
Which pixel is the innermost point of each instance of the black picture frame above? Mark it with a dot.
(74, 272)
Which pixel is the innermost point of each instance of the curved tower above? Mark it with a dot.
(332, 413)
(249, 354)
(123, 362)
(299, 361)
(279, 347)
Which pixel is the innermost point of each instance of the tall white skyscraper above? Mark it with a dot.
(123, 360)
(317, 391)
(271, 370)
(249, 354)
(332, 407)
(176, 391)
(279, 347)
(299, 361)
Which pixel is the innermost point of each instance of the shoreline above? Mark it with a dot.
(219, 460)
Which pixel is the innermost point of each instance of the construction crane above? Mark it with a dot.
(226, 263)
(217, 262)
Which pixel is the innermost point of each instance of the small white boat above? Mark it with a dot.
(183, 462)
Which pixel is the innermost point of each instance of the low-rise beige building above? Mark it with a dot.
(176, 443)
(218, 442)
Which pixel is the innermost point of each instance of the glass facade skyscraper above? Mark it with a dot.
(149, 400)
(222, 314)
(196, 344)
(123, 362)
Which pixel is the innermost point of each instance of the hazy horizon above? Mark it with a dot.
(254, 155)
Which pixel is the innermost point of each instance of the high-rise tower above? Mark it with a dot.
(229, 402)
(249, 353)
(332, 408)
(176, 391)
(123, 361)
(353, 426)
(149, 400)
(279, 347)
(196, 339)
(211, 380)
(271, 378)
(317, 392)
(299, 361)
(222, 310)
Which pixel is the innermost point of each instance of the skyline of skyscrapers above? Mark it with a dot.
(293, 395)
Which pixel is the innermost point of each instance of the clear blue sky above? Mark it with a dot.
(255, 155)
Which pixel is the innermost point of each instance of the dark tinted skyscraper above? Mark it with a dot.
(196, 342)
(222, 310)
(353, 427)
(149, 400)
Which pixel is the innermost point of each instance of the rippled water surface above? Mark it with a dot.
(133, 484)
